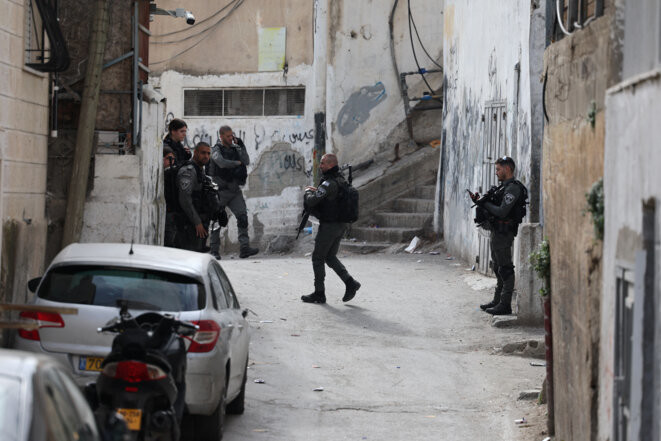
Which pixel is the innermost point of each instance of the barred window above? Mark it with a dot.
(567, 16)
(282, 101)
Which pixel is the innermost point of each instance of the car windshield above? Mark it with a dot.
(104, 286)
(10, 403)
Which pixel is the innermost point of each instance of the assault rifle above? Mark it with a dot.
(478, 201)
(306, 212)
(482, 217)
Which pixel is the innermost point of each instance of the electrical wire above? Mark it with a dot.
(415, 28)
(415, 57)
(239, 3)
(195, 25)
(562, 27)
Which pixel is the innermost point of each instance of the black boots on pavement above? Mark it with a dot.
(315, 297)
(320, 296)
(352, 287)
(247, 252)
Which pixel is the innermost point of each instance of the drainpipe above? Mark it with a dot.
(319, 71)
(73, 224)
(515, 113)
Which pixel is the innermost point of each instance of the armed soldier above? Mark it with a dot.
(175, 138)
(501, 211)
(228, 168)
(323, 203)
(194, 197)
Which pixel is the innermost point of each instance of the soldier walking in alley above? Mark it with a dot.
(323, 203)
(228, 168)
(501, 211)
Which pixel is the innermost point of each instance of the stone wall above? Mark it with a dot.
(23, 156)
(579, 69)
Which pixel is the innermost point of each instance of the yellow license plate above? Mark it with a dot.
(133, 418)
(90, 364)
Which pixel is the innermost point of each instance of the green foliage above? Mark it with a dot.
(540, 259)
(595, 206)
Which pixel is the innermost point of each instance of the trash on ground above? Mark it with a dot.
(266, 321)
(538, 363)
(296, 335)
(419, 261)
(308, 254)
(283, 319)
(449, 257)
(434, 253)
(548, 438)
(520, 421)
(259, 381)
(415, 242)
(318, 389)
(314, 366)
(430, 416)
(417, 252)
(473, 268)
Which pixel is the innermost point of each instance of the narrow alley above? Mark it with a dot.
(411, 357)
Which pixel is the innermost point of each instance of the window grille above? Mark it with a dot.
(286, 101)
(567, 16)
(623, 350)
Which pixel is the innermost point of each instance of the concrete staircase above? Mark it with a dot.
(395, 221)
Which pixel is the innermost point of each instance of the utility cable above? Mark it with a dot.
(415, 57)
(189, 28)
(201, 39)
(237, 3)
(420, 40)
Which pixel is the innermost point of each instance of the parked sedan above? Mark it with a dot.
(39, 401)
(192, 286)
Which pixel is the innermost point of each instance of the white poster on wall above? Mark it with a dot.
(272, 43)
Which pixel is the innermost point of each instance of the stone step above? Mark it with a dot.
(412, 205)
(401, 220)
(425, 192)
(392, 235)
(361, 247)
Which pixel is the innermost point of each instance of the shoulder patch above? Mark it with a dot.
(325, 184)
(509, 198)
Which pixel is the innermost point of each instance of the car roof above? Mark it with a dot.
(144, 256)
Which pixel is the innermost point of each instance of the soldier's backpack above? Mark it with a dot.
(347, 202)
(519, 210)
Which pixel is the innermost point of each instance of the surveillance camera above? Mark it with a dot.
(190, 18)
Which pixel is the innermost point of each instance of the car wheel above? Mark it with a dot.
(237, 406)
(210, 427)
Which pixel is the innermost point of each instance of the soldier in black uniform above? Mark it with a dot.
(323, 204)
(177, 130)
(504, 208)
(228, 168)
(193, 230)
(171, 197)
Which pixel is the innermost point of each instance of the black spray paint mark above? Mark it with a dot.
(357, 108)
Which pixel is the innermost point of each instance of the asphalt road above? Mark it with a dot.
(410, 358)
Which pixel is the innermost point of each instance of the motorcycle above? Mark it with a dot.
(143, 377)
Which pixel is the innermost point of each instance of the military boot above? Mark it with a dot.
(495, 301)
(352, 287)
(247, 252)
(315, 297)
(504, 307)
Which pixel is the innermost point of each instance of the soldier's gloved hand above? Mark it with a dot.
(200, 231)
(475, 196)
(308, 188)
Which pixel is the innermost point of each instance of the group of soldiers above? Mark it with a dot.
(200, 185)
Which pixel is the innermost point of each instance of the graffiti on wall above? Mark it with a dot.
(277, 168)
(357, 108)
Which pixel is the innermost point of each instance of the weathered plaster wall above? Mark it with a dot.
(483, 42)
(580, 68)
(231, 45)
(631, 177)
(23, 156)
(362, 104)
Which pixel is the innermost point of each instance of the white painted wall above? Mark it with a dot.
(126, 203)
(631, 176)
(483, 41)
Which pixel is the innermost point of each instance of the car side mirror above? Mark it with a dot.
(244, 313)
(33, 284)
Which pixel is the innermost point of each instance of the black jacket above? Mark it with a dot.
(323, 203)
(180, 155)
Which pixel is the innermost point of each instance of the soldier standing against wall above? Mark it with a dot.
(175, 138)
(507, 209)
(228, 168)
(323, 204)
(192, 233)
(171, 194)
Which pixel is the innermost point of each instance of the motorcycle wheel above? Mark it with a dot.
(210, 427)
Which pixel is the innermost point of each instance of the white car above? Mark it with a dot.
(191, 286)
